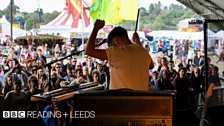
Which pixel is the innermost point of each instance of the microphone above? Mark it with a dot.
(101, 42)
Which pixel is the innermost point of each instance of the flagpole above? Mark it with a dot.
(82, 32)
(137, 20)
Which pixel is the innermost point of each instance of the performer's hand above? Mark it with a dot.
(99, 24)
(135, 38)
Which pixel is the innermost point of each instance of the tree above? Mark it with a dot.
(50, 16)
(7, 11)
(2, 13)
(158, 18)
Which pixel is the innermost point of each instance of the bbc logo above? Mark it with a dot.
(14, 114)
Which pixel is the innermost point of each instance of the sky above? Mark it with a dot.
(58, 5)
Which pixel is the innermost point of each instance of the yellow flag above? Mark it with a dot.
(128, 9)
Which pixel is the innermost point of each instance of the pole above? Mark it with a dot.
(82, 31)
(11, 19)
(136, 24)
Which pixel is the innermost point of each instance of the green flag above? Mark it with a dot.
(104, 10)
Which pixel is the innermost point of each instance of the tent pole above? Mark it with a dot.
(83, 46)
(11, 19)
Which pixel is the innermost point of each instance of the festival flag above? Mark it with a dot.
(114, 11)
(128, 10)
(75, 7)
(78, 11)
(104, 10)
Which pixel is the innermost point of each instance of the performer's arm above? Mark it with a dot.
(91, 49)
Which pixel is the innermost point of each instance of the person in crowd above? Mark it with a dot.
(90, 64)
(1, 75)
(182, 53)
(196, 87)
(8, 85)
(214, 76)
(197, 58)
(96, 76)
(74, 62)
(84, 63)
(190, 71)
(57, 51)
(40, 55)
(190, 55)
(106, 69)
(55, 80)
(34, 57)
(176, 51)
(59, 70)
(221, 55)
(164, 65)
(10, 65)
(18, 74)
(4, 63)
(16, 99)
(34, 70)
(28, 67)
(40, 72)
(41, 62)
(79, 77)
(209, 67)
(69, 75)
(163, 82)
(183, 102)
(33, 86)
(184, 63)
(44, 84)
(22, 60)
(155, 76)
(172, 73)
(86, 74)
(181, 84)
(26, 53)
(12, 54)
(64, 50)
(122, 51)
(68, 63)
(46, 50)
(102, 73)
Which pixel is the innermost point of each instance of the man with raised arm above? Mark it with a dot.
(129, 62)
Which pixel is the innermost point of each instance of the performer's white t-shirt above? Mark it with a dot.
(129, 67)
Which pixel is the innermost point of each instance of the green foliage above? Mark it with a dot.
(50, 16)
(160, 18)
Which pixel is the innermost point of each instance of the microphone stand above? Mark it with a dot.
(54, 61)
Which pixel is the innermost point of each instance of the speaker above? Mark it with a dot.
(125, 108)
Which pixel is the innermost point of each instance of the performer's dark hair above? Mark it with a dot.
(117, 32)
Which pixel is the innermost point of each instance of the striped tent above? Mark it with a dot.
(73, 18)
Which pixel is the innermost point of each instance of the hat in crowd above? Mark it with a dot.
(39, 48)
(184, 58)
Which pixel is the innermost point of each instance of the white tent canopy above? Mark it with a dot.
(220, 34)
(176, 35)
(212, 35)
(5, 29)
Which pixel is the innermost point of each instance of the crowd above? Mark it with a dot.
(22, 73)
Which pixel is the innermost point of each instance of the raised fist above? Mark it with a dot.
(99, 24)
